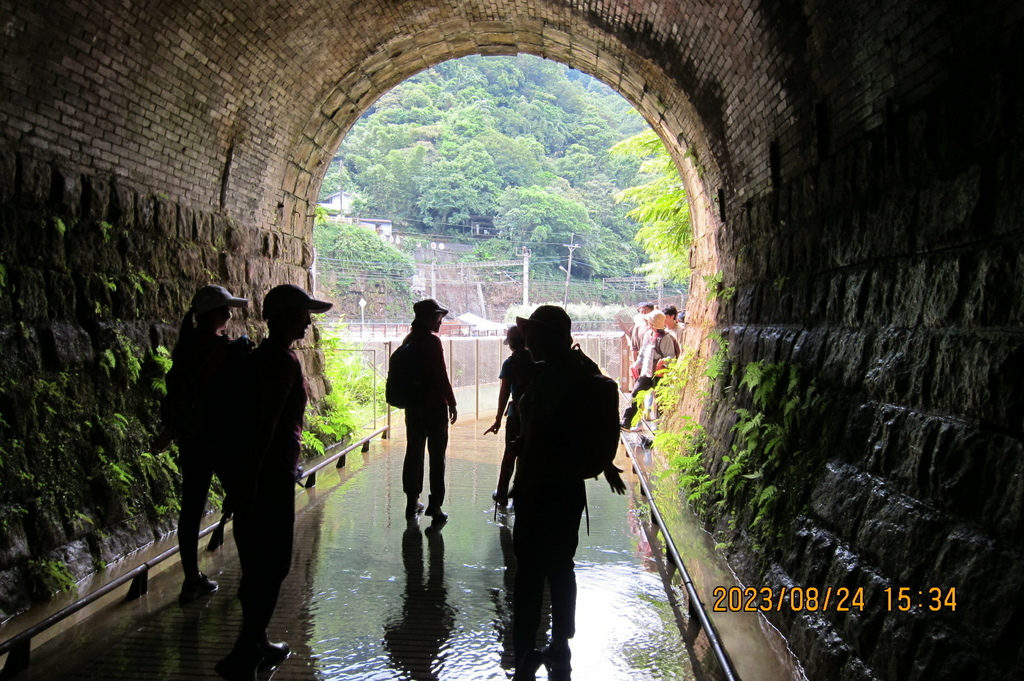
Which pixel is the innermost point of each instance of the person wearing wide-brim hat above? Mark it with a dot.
(549, 495)
(427, 418)
(189, 412)
(263, 496)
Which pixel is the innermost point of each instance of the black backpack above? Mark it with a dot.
(405, 385)
(597, 406)
(183, 407)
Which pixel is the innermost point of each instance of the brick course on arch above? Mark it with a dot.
(854, 172)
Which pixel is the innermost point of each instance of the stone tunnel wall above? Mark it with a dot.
(889, 271)
(853, 169)
(94, 277)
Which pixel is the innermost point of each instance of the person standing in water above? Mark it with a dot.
(262, 495)
(428, 417)
(190, 414)
(516, 372)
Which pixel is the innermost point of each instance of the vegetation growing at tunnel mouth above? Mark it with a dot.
(759, 483)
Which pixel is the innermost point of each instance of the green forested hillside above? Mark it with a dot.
(521, 140)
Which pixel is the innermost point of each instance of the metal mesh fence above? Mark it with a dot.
(474, 363)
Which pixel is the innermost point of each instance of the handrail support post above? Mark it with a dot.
(140, 584)
(17, 659)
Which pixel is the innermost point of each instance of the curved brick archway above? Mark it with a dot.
(853, 169)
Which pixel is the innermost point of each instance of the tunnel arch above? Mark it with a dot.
(854, 168)
(355, 92)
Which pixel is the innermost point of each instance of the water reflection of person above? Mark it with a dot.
(502, 598)
(414, 639)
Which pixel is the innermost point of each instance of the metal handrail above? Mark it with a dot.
(20, 645)
(310, 475)
(696, 605)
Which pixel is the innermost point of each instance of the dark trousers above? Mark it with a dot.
(544, 539)
(508, 459)
(264, 535)
(425, 428)
(196, 465)
(642, 383)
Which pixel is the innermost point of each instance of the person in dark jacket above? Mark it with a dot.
(263, 495)
(428, 416)
(549, 496)
(199, 355)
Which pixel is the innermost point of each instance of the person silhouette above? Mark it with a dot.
(428, 416)
(516, 372)
(191, 413)
(262, 495)
(549, 495)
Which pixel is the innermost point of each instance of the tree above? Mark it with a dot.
(457, 187)
(543, 219)
(661, 208)
(520, 161)
(391, 187)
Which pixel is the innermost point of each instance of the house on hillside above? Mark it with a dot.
(382, 226)
(479, 226)
(338, 201)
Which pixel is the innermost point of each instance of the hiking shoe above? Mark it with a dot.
(527, 665)
(274, 653)
(437, 514)
(413, 508)
(556, 657)
(194, 587)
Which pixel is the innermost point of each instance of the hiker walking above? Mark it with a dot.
(515, 375)
(262, 495)
(430, 410)
(569, 433)
(190, 413)
(659, 347)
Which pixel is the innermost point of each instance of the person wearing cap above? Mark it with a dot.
(189, 413)
(659, 347)
(549, 495)
(428, 418)
(263, 496)
(516, 372)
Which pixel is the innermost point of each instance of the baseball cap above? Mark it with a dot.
(550, 318)
(211, 297)
(427, 307)
(288, 296)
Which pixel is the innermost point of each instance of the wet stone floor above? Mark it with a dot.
(372, 596)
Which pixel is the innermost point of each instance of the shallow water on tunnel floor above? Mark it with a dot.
(393, 600)
(370, 597)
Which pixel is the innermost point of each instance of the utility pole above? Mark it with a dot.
(568, 271)
(526, 276)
